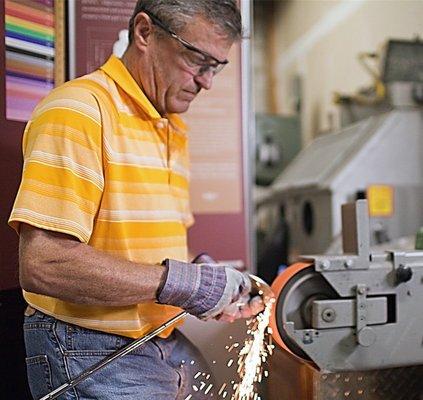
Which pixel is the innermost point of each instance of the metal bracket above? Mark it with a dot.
(365, 335)
(342, 313)
(355, 241)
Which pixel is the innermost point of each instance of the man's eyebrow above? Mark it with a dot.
(203, 58)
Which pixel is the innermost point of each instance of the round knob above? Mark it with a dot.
(403, 274)
(366, 336)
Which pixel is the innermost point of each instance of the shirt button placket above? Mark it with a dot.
(163, 125)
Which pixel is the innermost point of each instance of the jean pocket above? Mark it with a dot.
(39, 375)
(86, 342)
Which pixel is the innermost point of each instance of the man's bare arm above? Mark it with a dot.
(57, 265)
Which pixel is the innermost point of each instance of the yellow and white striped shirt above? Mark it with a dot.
(102, 165)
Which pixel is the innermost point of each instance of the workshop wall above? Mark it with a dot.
(313, 45)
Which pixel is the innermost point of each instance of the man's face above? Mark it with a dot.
(175, 68)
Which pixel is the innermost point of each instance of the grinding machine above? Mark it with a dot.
(349, 326)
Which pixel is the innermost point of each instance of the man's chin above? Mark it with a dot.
(179, 107)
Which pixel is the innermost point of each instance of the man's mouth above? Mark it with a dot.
(189, 95)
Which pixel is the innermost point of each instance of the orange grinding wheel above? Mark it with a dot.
(277, 287)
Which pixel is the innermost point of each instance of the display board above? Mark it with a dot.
(216, 149)
(94, 28)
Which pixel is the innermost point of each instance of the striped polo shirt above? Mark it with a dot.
(102, 165)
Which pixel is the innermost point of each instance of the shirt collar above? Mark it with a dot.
(117, 71)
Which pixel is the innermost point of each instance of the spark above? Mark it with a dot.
(222, 388)
(208, 388)
(233, 346)
(230, 362)
(197, 375)
(188, 397)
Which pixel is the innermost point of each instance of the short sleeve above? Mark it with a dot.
(62, 179)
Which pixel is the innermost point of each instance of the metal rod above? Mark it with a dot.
(119, 353)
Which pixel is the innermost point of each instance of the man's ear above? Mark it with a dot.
(143, 28)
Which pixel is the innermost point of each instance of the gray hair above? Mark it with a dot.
(224, 14)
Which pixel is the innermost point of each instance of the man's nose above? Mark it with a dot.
(205, 80)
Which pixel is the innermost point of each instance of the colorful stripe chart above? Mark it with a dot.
(29, 40)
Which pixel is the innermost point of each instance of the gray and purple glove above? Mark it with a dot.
(203, 290)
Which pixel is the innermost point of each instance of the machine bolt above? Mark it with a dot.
(325, 264)
(348, 264)
(328, 315)
(362, 290)
(307, 337)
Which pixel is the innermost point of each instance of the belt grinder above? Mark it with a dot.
(353, 312)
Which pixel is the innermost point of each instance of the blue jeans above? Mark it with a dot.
(161, 369)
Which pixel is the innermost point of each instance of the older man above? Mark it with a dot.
(102, 212)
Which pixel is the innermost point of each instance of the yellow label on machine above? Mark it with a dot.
(381, 200)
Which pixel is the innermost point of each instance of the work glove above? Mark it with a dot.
(246, 306)
(203, 290)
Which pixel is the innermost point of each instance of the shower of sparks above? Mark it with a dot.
(254, 353)
(256, 349)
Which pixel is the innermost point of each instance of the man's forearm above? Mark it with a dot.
(56, 265)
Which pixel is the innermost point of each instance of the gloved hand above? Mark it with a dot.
(203, 290)
(245, 307)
